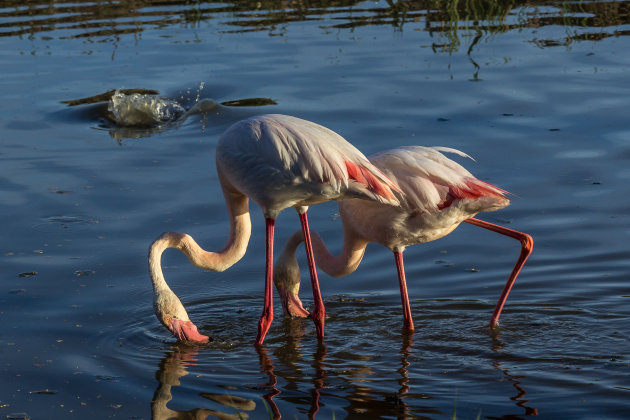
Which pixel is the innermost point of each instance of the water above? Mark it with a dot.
(537, 94)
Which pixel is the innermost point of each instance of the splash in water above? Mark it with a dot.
(141, 110)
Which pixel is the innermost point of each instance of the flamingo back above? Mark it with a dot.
(281, 161)
(433, 182)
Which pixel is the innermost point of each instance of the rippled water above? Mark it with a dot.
(537, 94)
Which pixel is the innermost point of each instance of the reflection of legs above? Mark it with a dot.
(267, 315)
(266, 364)
(405, 351)
(318, 304)
(318, 380)
(527, 245)
(407, 319)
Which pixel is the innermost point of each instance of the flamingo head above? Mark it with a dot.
(172, 314)
(286, 277)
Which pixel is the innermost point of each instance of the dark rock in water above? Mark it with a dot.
(18, 416)
(44, 392)
(28, 274)
(250, 102)
(104, 97)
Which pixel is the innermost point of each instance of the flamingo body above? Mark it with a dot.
(278, 161)
(437, 194)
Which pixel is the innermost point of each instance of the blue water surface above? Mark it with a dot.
(537, 93)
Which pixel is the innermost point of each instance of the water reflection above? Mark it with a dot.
(351, 383)
(444, 20)
(313, 378)
(319, 379)
(518, 398)
(497, 346)
(290, 355)
(405, 351)
(266, 366)
(173, 367)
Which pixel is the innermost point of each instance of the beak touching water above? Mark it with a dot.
(292, 304)
(187, 331)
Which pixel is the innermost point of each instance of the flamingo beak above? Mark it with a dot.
(292, 304)
(187, 331)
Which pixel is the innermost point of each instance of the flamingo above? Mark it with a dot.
(278, 161)
(439, 194)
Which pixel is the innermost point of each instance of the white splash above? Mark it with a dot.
(141, 110)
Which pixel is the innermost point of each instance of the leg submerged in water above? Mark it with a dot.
(527, 246)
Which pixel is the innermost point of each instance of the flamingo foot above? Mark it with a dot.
(187, 331)
(263, 326)
(408, 326)
(318, 318)
(292, 304)
(493, 324)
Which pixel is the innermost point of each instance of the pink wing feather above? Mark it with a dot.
(284, 152)
(433, 182)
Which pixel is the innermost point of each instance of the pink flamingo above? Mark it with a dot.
(439, 194)
(278, 161)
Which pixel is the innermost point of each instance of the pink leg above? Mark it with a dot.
(527, 245)
(407, 319)
(318, 304)
(267, 315)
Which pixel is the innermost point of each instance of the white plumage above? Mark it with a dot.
(281, 161)
(427, 177)
(437, 195)
(278, 161)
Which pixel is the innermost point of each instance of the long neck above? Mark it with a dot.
(240, 231)
(155, 260)
(348, 261)
(171, 370)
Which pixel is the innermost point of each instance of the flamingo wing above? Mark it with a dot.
(300, 159)
(433, 182)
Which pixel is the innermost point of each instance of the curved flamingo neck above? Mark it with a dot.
(240, 231)
(349, 259)
(347, 262)
(236, 246)
(155, 263)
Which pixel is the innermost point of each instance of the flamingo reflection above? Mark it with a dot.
(266, 365)
(521, 392)
(405, 351)
(290, 354)
(497, 346)
(173, 367)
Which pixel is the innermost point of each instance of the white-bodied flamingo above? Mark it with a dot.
(278, 161)
(438, 194)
